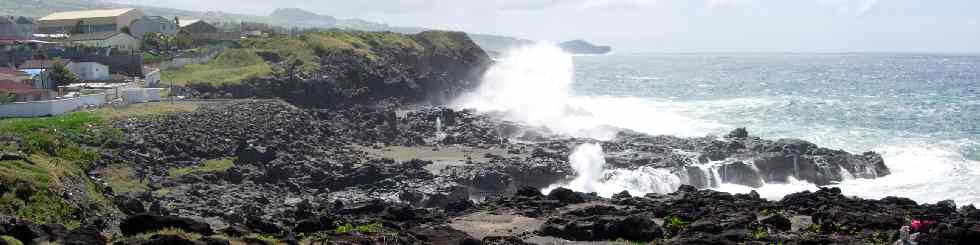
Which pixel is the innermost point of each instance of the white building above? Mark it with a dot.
(90, 71)
(89, 21)
(106, 39)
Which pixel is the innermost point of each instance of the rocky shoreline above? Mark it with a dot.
(328, 176)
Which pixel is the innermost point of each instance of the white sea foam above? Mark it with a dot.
(591, 175)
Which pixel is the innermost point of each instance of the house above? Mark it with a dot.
(199, 30)
(153, 24)
(90, 21)
(89, 71)
(11, 74)
(19, 28)
(38, 70)
(105, 39)
(21, 91)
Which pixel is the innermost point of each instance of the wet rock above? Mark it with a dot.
(566, 196)
(779, 222)
(738, 133)
(315, 224)
(213, 241)
(55, 232)
(741, 174)
(164, 239)
(528, 191)
(87, 235)
(441, 235)
(262, 226)
(25, 231)
(143, 223)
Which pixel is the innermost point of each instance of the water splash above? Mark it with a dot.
(588, 161)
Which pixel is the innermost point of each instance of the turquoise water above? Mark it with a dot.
(922, 112)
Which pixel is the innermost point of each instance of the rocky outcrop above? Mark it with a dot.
(366, 68)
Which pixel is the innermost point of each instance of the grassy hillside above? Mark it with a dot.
(50, 184)
(231, 66)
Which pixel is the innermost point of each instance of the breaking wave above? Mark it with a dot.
(535, 85)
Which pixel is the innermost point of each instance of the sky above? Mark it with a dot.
(947, 26)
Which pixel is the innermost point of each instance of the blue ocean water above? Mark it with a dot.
(921, 111)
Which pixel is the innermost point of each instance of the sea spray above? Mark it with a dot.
(588, 161)
(531, 83)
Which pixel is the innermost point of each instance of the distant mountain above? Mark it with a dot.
(583, 47)
(302, 17)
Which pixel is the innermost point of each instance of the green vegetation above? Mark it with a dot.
(363, 229)
(674, 223)
(7, 97)
(209, 166)
(61, 75)
(230, 67)
(143, 110)
(760, 233)
(264, 238)
(10, 240)
(440, 39)
(120, 178)
(814, 228)
(58, 151)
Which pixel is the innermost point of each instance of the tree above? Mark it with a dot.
(61, 75)
(125, 29)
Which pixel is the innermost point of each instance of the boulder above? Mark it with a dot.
(143, 223)
(566, 196)
(87, 235)
(164, 239)
(778, 222)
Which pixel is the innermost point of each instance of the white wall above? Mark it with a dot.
(90, 71)
(50, 107)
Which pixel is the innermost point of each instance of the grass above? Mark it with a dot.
(209, 166)
(363, 229)
(59, 151)
(7, 97)
(120, 178)
(230, 67)
(143, 109)
(45, 204)
(10, 240)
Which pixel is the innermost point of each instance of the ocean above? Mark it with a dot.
(920, 111)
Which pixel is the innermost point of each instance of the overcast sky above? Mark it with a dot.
(670, 25)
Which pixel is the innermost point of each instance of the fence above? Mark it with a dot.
(50, 107)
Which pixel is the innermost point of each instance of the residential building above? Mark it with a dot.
(199, 30)
(38, 70)
(22, 91)
(90, 21)
(90, 71)
(153, 24)
(106, 39)
(18, 28)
